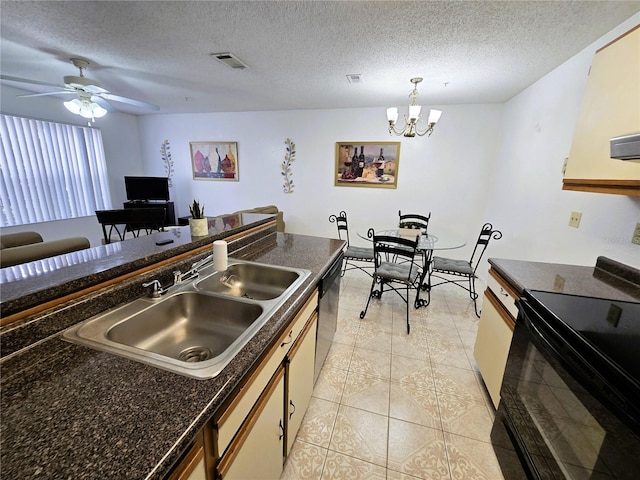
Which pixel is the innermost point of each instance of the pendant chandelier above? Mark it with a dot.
(410, 128)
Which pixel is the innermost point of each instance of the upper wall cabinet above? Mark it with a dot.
(610, 108)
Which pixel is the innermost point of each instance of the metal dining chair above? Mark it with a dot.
(414, 220)
(353, 256)
(465, 270)
(394, 268)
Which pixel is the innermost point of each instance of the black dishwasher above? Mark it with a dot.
(327, 313)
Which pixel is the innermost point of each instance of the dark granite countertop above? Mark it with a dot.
(73, 412)
(32, 283)
(608, 279)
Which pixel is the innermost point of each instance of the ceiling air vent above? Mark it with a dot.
(230, 60)
(355, 78)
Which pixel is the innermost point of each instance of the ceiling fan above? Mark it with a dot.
(92, 100)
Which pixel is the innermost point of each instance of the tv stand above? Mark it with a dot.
(170, 217)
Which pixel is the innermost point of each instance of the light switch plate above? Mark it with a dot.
(574, 219)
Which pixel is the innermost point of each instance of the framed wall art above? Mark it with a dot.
(367, 164)
(214, 161)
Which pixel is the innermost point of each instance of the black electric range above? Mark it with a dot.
(570, 398)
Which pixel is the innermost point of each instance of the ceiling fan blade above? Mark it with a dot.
(33, 82)
(130, 101)
(61, 92)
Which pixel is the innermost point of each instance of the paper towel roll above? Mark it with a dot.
(220, 255)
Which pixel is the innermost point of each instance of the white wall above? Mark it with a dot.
(527, 200)
(122, 152)
(446, 174)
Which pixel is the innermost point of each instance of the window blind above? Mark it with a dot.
(50, 171)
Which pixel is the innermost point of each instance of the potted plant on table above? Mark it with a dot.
(198, 223)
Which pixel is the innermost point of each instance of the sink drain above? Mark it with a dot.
(195, 354)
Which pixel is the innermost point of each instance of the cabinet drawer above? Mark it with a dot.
(229, 421)
(505, 294)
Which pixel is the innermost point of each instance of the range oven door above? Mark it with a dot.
(558, 410)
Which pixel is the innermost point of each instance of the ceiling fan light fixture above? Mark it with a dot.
(85, 108)
(97, 111)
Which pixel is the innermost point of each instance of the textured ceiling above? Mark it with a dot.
(299, 52)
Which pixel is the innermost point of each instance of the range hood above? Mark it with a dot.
(626, 147)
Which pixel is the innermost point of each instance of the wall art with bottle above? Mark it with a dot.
(215, 161)
(367, 164)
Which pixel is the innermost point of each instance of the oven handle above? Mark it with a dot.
(579, 368)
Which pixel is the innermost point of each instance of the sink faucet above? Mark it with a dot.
(201, 263)
(157, 291)
(192, 273)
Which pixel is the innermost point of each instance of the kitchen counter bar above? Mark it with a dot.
(69, 411)
(32, 283)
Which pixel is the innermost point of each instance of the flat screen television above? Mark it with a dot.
(147, 188)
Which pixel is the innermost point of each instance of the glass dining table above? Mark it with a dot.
(427, 244)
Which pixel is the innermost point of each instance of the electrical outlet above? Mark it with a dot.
(574, 219)
(636, 235)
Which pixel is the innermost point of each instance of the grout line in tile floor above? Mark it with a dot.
(438, 415)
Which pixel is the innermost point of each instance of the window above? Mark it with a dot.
(50, 171)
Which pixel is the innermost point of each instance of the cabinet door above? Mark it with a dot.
(609, 109)
(257, 450)
(300, 369)
(192, 466)
(493, 341)
(227, 422)
(198, 473)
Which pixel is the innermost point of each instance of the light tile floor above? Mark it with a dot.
(388, 405)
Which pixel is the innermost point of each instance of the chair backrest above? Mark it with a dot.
(130, 220)
(343, 226)
(486, 234)
(414, 220)
(394, 249)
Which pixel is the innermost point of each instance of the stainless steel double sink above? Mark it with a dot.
(196, 328)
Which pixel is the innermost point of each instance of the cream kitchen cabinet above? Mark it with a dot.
(610, 108)
(300, 366)
(265, 403)
(495, 329)
(257, 450)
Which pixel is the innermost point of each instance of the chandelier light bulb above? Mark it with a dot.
(392, 115)
(414, 112)
(434, 116)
